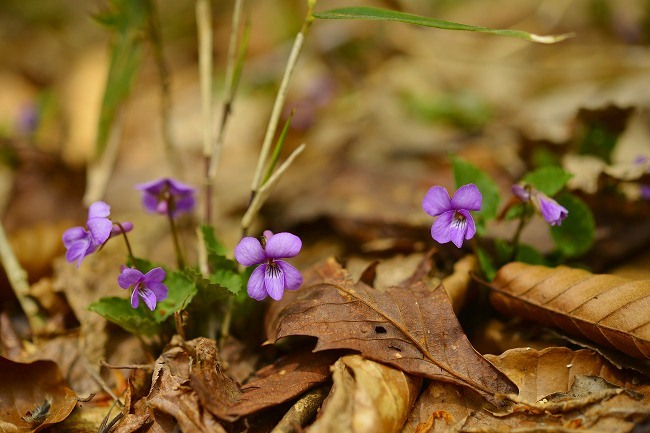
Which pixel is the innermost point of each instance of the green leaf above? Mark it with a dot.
(216, 251)
(128, 20)
(119, 311)
(181, 292)
(216, 287)
(576, 234)
(549, 180)
(486, 264)
(377, 14)
(465, 173)
(525, 253)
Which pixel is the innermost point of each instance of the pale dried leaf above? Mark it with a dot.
(366, 397)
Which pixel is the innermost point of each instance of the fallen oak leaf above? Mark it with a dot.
(609, 310)
(409, 327)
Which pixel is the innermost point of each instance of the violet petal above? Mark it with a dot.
(100, 229)
(256, 283)
(292, 276)
(154, 187)
(77, 251)
(135, 299)
(159, 290)
(520, 192)
(156, 275)
(99, 209)
(551, 210)
(249, 252)
(274, 282)
(177, 187)
(467, 197)
(436, 201)
(282, 245)
(74, 235)
(129, 277)
(148, 297)
(440, 228)
(183, 203)
(471, 226)
(458, 230)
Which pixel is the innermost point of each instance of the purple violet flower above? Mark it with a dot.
(550, 210)
(645, 192)
(273, 276)
(80, 242)
(166, 196)
(147, 286)
(454, 222)
(553, 212)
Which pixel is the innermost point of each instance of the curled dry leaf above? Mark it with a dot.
(559, 388)
(367, 397)
(34, 396)
(285, 380)
(609, 310)
(410, 327)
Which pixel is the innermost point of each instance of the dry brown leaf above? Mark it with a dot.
(366, 397)
(412, 327)
(560, 390)
(193, 363)
(283, 381)
(34, 396)
(609, 310)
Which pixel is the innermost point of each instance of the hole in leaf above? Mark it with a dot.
(380, 330)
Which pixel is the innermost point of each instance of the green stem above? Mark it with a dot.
(126, 241)
(177, 245)
(515, 239)
(227, 319)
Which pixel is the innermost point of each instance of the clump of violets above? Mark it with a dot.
(273, 275)
(454, 222)
(81, 242)
(552, 212)
(167, 196)
(147, 286)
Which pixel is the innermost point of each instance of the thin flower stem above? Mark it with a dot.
(515, 239)
(126, 241)
(180, 260)
(227, 319)
(279, 100)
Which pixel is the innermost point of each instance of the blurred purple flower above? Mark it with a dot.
(549, 209)
(80, 242)
(454, 222)
(147, 286)
(166, 196)
(273, 276)
(645, 192)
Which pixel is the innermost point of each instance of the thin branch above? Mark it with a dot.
(265, 191)
(18, 279)
(279, 100)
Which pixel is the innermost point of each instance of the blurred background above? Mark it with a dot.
(380, 106)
